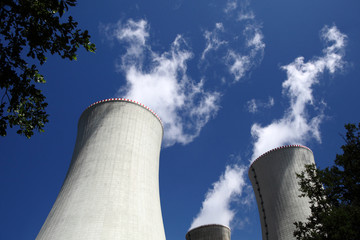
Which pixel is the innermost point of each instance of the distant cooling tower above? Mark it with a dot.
(111, 190)
(273, 177)
(209, 232)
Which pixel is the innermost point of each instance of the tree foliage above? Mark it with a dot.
(29, 30)
(334, 194)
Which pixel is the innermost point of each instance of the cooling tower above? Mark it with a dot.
(209, 232)
(111, 190)
(273, 177)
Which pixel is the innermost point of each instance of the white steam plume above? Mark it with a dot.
(296, 126)
(160, 81)
(216, 206)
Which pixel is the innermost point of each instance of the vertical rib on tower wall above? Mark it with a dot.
(273, 177)
(111, 190)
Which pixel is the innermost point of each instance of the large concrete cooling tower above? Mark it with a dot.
(209, 232)
(273, 177)
(111, 190)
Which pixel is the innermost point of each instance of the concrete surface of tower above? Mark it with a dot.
(209, 232)
(111, 190)
(273, 177)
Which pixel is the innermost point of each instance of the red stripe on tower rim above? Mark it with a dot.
(126, 100)
(278, 148)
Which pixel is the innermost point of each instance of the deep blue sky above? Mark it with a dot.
(32, 171)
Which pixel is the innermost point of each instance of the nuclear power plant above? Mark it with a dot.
(111, 190)
(273, 177)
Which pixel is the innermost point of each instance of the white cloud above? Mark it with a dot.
(270, 103)
(135, 33)
(216, 206)
(160, 81)
(296, 127)
(213, 41)
(254, 105)
(255, 40)
(238, 63)
(231, 5)
(240, 223)
(243, 15)
(240, 8)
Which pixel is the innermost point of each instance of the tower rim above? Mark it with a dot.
(126, 100)
(277, 149)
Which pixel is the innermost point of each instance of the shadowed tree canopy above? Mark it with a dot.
(29, 30)
(334, 195)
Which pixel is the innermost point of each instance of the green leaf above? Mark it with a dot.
(38, 28)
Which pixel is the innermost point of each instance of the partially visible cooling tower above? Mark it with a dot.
(111, 190)
(273, 177)
(209, 232)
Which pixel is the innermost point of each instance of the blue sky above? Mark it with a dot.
(230, 80)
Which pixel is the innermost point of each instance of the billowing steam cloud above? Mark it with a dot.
(296, 126)
(216, 206)
(163, 85)
(161, 81)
